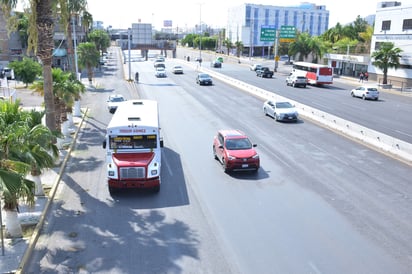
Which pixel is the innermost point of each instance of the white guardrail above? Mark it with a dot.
(397, 148)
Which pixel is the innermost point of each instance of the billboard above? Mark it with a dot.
(167, 23)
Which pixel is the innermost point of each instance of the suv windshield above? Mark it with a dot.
(241, 143)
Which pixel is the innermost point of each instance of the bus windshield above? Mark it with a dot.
(133, 142)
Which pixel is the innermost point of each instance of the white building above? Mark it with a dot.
(393, 23)
(245, 22)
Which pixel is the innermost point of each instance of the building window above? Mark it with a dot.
(378, 45)
(386, 25)
(407, 24)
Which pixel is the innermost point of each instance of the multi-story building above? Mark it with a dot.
(393, 23)
(10, 44)
(245, 23)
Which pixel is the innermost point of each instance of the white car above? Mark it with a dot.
(365, 92)
(160, 72)
(114, 101)
(281, 111)
(177, 69)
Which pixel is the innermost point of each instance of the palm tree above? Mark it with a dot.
(239, 48)
(87, 22)
(366, 38)
(387, 56)
(41, 30)
(317, 47)
(301, 46)
(88, 57)
(69, 12)
(26, 146)
(228, 44)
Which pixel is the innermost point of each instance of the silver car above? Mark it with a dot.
(281, 111)
(365, 92)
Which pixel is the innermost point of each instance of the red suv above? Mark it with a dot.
(235, 151)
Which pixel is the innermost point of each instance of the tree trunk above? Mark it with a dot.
(385, 76)
(13, 226)
(70, 46)
(45, 45)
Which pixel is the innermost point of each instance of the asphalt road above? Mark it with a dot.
(319, 204)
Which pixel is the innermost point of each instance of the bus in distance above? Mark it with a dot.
(315, 73)
(133, 146)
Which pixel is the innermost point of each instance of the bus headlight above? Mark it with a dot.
(154, 172)
(111, 173)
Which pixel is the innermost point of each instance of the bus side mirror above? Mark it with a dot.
(161, 142)
(104, 144)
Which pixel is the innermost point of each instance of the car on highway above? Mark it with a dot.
(159, 65)
(295, 80)
(160, 72)
(255, 67)
(177, 69)
(264, 72)
(216, 64)
(113, 102)
(204, 79)
(234, 150)
(366, 92)
(281, 111)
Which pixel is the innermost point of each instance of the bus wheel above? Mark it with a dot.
(156, 189)
(112, 190)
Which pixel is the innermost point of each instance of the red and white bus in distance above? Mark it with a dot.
(133, 146)
(317, 74)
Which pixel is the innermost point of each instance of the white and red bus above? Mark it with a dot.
(315, 73)
(133, 146)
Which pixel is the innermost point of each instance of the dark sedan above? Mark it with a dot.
(216, 64)
(204, 79)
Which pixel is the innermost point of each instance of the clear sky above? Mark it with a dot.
(187, 13)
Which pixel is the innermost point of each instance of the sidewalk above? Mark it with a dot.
(15, 251)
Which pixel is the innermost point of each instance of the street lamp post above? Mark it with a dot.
(77, 111)
(200, 39)
(128, 46)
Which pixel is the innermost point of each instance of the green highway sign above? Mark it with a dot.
(267, 33)
(287, 32)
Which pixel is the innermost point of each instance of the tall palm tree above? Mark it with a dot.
(87, 22)
(26, 146)
(88, 57)
(70, 11)
(41, 30)
(387, 56)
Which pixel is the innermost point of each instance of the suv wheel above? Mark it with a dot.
(214, 153)
(224, 165)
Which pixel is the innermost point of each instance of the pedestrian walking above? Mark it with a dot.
(366, 76)
(361, 75)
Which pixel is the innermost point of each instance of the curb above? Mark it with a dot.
(36, 232)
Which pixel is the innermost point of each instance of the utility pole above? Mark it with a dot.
(276, 50)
